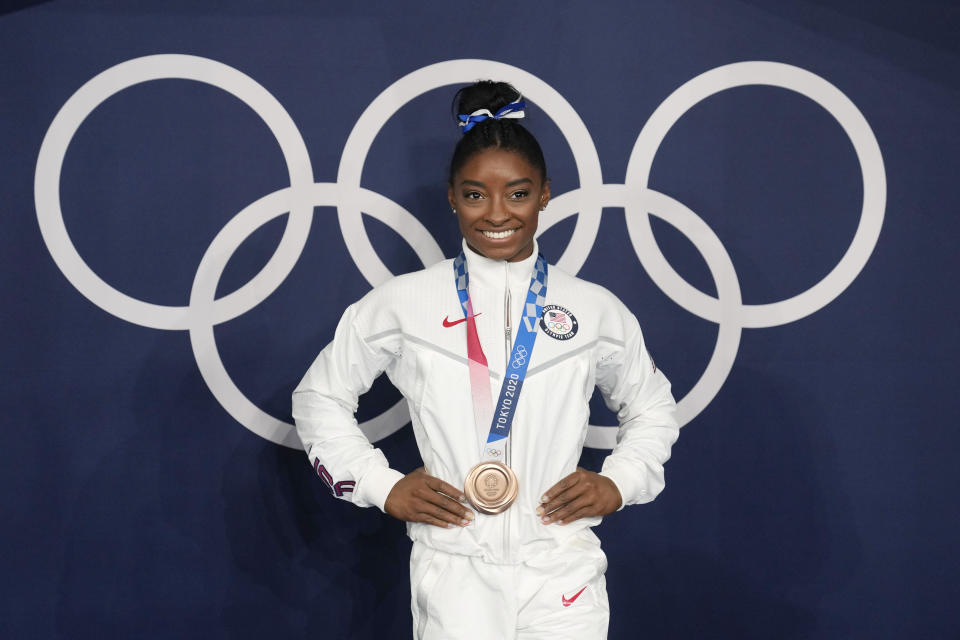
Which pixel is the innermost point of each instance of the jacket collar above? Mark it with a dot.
(491, 273)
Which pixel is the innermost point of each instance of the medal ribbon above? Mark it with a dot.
(501, 416)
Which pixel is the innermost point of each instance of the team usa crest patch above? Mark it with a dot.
(558, 323)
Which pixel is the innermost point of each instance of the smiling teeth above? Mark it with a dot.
(498, 235)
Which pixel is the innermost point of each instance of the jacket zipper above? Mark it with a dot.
(508, 340)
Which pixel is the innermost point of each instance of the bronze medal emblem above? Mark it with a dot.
(491, 487)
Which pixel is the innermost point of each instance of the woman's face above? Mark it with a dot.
(498, 196)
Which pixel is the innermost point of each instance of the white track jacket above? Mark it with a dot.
(408, 327)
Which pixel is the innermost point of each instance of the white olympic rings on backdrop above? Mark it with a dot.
(206, 311)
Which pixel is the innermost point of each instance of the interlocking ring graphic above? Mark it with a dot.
(521, 357)
(205, 311)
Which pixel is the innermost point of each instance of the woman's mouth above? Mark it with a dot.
(498, 235)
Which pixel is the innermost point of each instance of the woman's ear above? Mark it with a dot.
(453, 203)
(545, 194)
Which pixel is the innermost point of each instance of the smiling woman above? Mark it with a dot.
(497, 196)
(498, 178)
(515, 544)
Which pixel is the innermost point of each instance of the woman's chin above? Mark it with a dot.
(508, 249)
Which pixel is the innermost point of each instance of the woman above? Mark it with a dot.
(497, 355)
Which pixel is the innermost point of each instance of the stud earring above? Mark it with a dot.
(454, 211)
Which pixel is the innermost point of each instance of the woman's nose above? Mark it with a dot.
(498, 213)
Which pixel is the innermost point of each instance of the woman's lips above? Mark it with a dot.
(498, 235)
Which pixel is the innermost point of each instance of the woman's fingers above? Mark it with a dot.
(446, 489)
(564, 512)
(437, 522)
(563, 498)
(563, 492)
(581, 494)
(443, 507)
(572, 511)
(436, 514)
(560, 486)
(419, 497)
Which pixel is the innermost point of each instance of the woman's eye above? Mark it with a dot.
(472, 195)
(519, 195)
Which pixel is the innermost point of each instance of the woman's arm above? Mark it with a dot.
(324, 404)
(633, 472)
(640, 394)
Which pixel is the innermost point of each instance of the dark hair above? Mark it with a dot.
(507, 133)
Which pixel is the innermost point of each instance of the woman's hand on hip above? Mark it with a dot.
(582, 494)
(419, 497)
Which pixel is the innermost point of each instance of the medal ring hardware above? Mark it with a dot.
(491, 487)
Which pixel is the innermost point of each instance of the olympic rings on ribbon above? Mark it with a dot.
(205, 311)
(521, 358)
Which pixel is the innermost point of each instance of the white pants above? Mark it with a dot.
(560, 594)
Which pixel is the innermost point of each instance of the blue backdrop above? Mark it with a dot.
(770, 187)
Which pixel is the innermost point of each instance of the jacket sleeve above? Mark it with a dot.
(640, 394)
(324, 404)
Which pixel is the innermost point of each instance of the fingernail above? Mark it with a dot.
(463, 499)
(545, 519)
(544, 498)
(468, 515)
(539, 511)
(464, 522)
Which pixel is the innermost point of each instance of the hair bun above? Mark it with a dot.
(492, 130)
(484, 94)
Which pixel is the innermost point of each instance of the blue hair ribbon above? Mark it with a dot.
(512, 110)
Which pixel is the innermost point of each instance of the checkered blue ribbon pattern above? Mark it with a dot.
(516, 370)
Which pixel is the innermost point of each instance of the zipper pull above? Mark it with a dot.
(507, 327)
(508, 347)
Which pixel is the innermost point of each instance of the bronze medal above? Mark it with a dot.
(491, 487)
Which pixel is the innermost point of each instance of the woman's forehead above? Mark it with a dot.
(498, 162)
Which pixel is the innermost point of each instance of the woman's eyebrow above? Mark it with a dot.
(512, 183)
